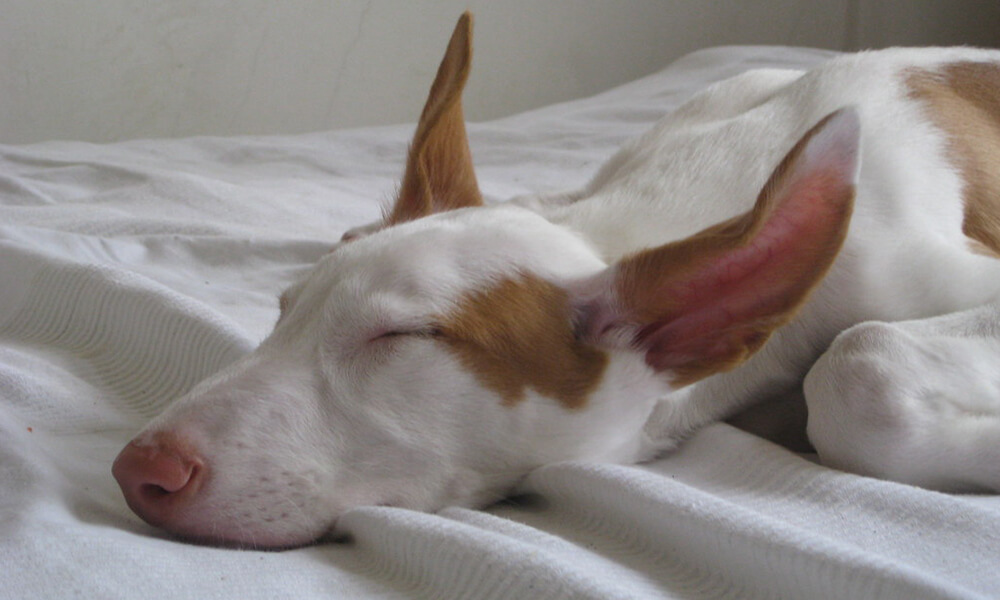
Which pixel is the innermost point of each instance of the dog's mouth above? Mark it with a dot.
(336, 535)
(248, 541)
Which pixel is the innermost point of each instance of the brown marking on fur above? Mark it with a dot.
(439, 174)
(519, 334)
(661, 285)
(964, 100)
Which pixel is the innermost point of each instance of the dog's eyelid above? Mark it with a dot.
(385, 335)
(431, 331)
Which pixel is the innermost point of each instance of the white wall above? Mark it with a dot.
(120, 69)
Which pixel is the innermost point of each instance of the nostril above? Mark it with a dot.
(176, 478)
(152, 491)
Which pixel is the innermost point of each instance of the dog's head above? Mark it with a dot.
(440, 357)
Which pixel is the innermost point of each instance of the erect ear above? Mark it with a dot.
(705, 304)
(439, 174)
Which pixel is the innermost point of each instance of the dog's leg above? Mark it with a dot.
(916, 401)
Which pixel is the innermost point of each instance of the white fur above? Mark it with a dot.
(914, 401)
(905, 256)
(328, 413)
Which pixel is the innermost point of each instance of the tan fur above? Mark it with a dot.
(518, 334)
(964, 101)
(439, 173)
(675, 265)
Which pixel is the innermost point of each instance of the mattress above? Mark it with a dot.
(130, 271)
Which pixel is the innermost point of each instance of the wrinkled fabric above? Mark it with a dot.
(130, 271)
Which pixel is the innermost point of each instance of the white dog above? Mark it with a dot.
(777, 228)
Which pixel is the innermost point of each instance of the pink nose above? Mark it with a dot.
(159, 478)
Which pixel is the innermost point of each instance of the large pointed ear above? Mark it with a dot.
(439, 174)
(705, 304)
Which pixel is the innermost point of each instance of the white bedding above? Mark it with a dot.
(130, 271)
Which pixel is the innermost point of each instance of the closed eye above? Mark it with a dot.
(425, 332)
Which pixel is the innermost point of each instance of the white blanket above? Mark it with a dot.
(130, 271)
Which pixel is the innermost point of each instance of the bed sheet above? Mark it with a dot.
(130, 271)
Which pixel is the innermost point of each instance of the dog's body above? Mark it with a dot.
(436, 357)
(913, 249)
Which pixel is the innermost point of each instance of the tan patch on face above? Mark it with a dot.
(518, 334)
(964, 101)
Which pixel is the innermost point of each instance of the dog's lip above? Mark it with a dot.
(245, 539)
(335, 535)
(232, 543)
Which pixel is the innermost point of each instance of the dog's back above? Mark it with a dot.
(924, 235)
(924, 113)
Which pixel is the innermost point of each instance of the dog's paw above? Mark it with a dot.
(909, 403)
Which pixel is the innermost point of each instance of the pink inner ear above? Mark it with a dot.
(744, 280)
(738, 293)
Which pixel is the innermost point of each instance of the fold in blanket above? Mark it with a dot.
(130, 271)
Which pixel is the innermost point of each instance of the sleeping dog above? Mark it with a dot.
(835, 231)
